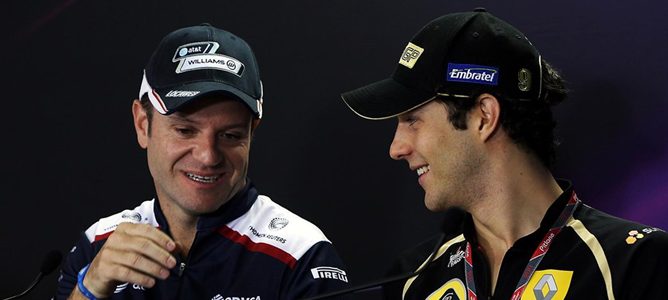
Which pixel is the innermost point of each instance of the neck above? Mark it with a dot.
(512, 205)
(182, 226)
(515, 207)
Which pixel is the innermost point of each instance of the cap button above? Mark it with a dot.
(479, 9)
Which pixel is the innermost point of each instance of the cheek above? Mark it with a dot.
(165, 151)
(237, 156)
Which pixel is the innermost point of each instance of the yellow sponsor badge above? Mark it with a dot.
(454, 289)
(548, 285)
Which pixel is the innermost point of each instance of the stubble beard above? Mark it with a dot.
(464, 184)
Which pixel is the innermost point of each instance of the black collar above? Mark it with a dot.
(532, 239)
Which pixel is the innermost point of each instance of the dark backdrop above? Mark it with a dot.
(71, 68)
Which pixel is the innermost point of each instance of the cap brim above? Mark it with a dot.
(168, 99)
(384, 99)
(174, 97)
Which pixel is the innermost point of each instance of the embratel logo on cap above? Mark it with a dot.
(472, 74)
(411, 55)
(202, 55)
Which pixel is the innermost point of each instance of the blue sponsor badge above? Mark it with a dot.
(472, 74)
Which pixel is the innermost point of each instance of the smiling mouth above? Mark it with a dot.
(202, 179)
(422, 170)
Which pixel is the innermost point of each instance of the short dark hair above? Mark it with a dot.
(530, 124)
(148, 109)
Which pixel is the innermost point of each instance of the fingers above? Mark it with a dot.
(135, 253)
(146, 241)
(148, 232)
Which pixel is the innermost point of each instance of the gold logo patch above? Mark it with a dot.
(411, 55)
(524, 80)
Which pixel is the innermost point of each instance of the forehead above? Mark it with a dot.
(213, 109)
(427, 107)
(219, 103)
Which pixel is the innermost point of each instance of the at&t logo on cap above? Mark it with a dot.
(203, 55)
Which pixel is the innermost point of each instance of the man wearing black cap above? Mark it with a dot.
(208, 234)
(473, 101)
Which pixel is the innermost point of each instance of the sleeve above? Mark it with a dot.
(647, 275)
(80, 255)
(320, 270)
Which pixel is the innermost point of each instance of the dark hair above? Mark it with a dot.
(148, 109)
(529, 123)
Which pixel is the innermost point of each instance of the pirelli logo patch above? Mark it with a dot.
(411, 55)
(329, 273)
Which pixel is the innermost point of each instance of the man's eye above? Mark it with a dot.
(183, 131)
(232, 136)
(410, 121)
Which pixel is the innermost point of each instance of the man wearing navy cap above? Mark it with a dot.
(208, 234)
(473, 99)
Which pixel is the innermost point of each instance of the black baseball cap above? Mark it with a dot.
(200, 60)
(455, 55)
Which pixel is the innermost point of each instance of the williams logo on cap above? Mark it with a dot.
(202, 55)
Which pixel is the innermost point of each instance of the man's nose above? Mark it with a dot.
(207, 151)
(400, 148)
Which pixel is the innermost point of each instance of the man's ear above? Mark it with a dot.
(254, 124)
(141, 123)
(488, 112)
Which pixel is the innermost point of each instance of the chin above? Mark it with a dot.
(432, 205)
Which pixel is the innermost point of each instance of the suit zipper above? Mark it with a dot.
(182, 268)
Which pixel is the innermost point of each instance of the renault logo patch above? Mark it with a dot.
(411, 55)
(548, 285)
(202, 55)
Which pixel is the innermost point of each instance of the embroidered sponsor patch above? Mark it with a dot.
(472, 74)
(179, 94)
(202, 55)
(131, 216)
(548, 284)
(258, 234)
(410, 55)
(456, 257)
(278, 223)
(524, 80)
(635, 235)
(329, 273)
(219, 297)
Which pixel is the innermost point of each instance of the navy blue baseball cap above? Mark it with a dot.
(455, 55)
(196, 61)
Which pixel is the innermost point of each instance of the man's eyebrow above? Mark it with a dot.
(406, 115)
(181, 118)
